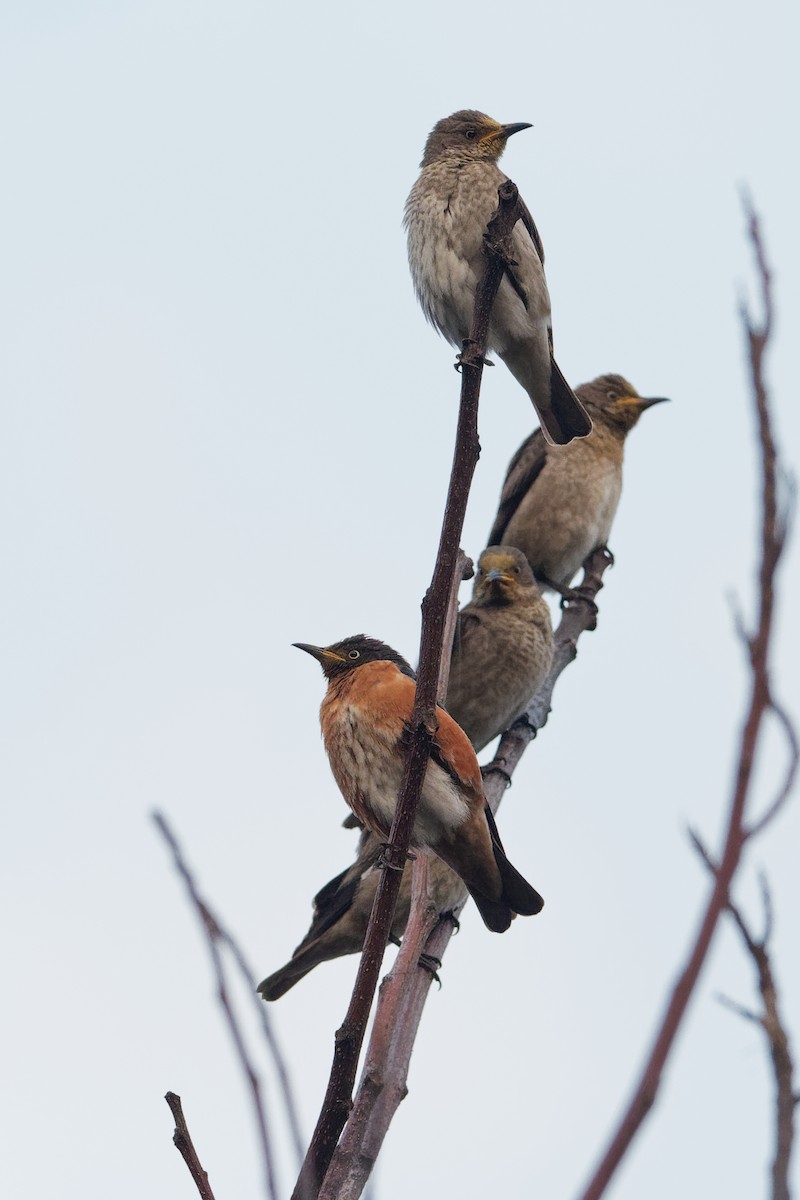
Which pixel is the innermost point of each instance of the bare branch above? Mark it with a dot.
(778, 1041)
(182, 1139)
(791, 772)
(214, 935)
(402, 997)
(745, 1013)
(771, 545)
(349, 1038)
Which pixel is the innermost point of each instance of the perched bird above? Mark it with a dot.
(364, 715)
(558, 502)
(342, 909)
(446, 216)
(503, 647)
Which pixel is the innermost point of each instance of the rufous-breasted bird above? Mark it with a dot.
(364, 716)
(503, 646)
(343, 906)
(558, 502)
(446, 215)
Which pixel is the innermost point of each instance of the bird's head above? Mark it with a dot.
(614, 402)
(352, 653)
(470, 136)
(503, 576)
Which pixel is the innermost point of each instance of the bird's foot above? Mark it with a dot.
(429, 963)
(580, 595)
(495, 768)
(383, 860)
(453, 919)
(468, 358)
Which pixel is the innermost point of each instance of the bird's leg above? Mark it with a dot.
(467, 356)
(583, 594)
(383, 861)
(546, 581)
(496, 767)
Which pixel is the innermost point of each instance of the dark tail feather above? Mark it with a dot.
(279, 983)
(518, 894)
(565, 418)
(496, 914)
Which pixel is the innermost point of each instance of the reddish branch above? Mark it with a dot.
(182, 1139)
(773, 533)
(777, 1040)
(216, 936)
(774, 1029)
(349, 1037)
(404, 992)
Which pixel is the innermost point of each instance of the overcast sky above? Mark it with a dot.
(227, 428)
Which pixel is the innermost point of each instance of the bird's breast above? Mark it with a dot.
(362, 729)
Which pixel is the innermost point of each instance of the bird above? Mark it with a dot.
(364, 717)
(558, 502)
(503, 646)
(342, 908)
(446, 215)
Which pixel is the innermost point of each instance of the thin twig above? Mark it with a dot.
(773, 1026)
(771, 544)
(214, 935)
(400, 1005)
(349, 1038)
(183, 1140)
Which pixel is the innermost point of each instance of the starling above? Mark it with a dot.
(364, 717)
(558, 502)
(503, 647)
(446, 216)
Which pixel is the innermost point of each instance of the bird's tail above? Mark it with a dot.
(496, 915)
(279, 983)
(520, 896)
(565, 417)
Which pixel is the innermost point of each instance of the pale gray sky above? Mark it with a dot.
(227, 428)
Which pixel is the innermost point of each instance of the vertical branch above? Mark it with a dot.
(760, 702)
(350, 1036)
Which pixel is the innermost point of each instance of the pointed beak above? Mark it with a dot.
(318, 652)
(507, 130)
(649, 401)
(495, 575)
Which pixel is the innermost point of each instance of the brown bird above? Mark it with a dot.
(343, 906)
(503, 647)
(446, 215)
(364, 716)
(558, 502)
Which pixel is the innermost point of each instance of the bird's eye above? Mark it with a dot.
(354, 654)
(470, 133)
(516, 570)
(612, 395)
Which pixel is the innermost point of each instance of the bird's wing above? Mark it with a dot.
(452, 751)
(524, 467)
(390, 708)
(335, 898)
(530, 225)
(467, 624)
